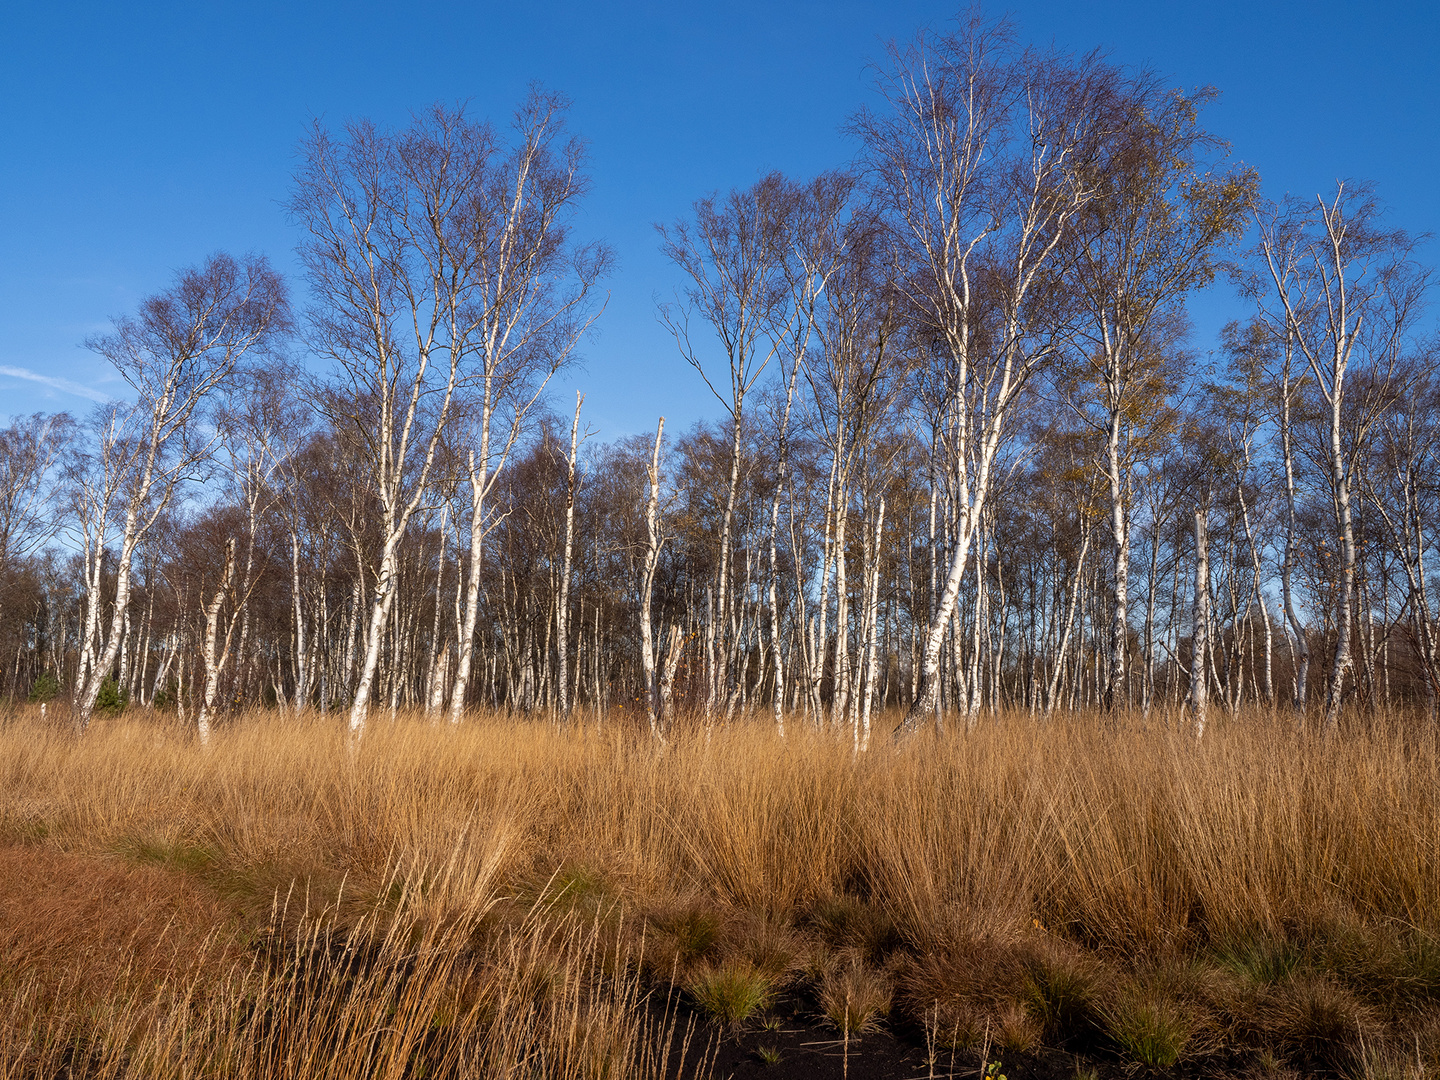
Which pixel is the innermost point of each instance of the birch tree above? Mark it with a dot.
(562, 600)
(1344, 293)
(813, 241)
(217, 651)
(379, 212)
(259, 426)
(1162, 212)
(983, 159)
(175, 353)
(656, 687)
(730, 258)
(855, 376)
(427, 248)
(1403, 489)
(1200, 627)
(530, 298)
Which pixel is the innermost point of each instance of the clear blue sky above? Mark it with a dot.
(137, 138)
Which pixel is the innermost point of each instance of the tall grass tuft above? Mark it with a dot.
(425, 985)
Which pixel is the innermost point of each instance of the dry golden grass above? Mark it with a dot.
(1114, 888)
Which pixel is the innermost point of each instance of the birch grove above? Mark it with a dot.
(969, 454)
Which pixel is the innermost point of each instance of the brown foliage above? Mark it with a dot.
(75, 923)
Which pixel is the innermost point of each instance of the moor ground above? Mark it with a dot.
(511, 898)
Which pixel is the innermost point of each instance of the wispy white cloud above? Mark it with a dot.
(65, 386)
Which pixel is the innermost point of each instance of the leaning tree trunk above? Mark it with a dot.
(215, 656)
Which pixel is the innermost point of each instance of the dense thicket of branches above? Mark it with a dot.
(966, 461)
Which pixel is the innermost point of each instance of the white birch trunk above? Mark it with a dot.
(562, 608)
(654, 703)
(1117, 681)
(302, 667)
(216, 656)
(1200, 636)
(872, 626)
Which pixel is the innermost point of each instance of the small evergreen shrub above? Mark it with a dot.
(45, 688)
(112, 699)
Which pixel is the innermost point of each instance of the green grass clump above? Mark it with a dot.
(732, 992)
(1152, 1031)
(1260, 960)
(188, 858)
(1061, 989)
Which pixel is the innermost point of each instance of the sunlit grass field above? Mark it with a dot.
(512, 898)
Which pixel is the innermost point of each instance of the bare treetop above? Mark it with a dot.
(182, 343)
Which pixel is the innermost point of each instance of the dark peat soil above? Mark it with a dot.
(792, 1042)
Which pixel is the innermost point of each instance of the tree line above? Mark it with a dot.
(967, 457)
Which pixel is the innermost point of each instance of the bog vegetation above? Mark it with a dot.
(1153, 636)
(509, 898)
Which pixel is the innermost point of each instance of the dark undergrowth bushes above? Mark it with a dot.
(508, 899)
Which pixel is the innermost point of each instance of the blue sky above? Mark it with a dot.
(137, 138)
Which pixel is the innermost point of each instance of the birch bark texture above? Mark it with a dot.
(1200, 628)
(562, 601)
(656, 694)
